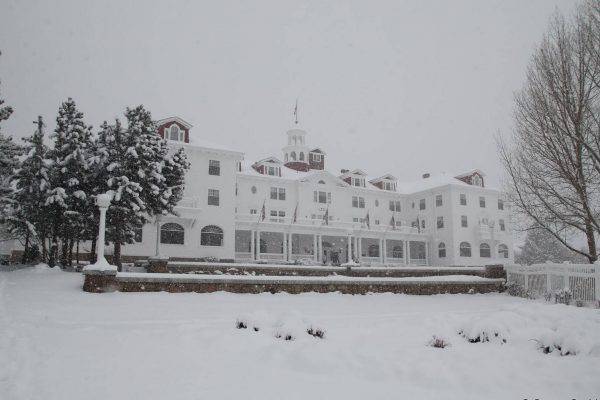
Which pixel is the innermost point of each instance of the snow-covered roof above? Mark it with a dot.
(389, 177)
(471, 172)
(163, 121)
(433, 181)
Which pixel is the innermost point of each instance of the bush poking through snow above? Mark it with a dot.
(241, 324)
(438, 342)
(286, 336)
(484, 330)
(316, 332)
(554, 348)
(563, 296)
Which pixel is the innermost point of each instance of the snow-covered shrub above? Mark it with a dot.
(563, 342)
(241, 324)
(316, 332)
(579, 303)
(548, 296)
(438, 342)
(284, 336)
(515, 289)
(563, 296)
(484, 330)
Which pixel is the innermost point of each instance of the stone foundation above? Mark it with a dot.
(100, 281)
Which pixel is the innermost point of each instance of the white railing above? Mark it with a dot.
(243, 256)
(582, 280)
(318, 222)
(418, 261)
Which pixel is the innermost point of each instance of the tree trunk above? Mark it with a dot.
(77, 255)
(591, 242)
(117, 256)
(93, 251)
(44, 250)
(26, 250)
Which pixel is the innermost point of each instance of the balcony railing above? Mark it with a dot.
(317, 222)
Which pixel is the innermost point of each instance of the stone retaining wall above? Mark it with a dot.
(100, 283)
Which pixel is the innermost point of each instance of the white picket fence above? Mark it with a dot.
(583, 280)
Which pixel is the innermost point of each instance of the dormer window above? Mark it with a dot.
(389, 186)
(360, 182)
(176, 134)
(477, 181)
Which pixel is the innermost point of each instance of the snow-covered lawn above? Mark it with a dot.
(57, 342)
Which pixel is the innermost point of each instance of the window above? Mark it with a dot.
(503, 251)
(273, 213)
(176, 134)
(500, 204)
(422, 204)
(463, 221)
(301, 156)
(321, 197)
(137, 234)
(484, 250)
(376, 203)
(286, 157)
(211, 235)
(397, 252)
(213, 197)
(214, 167)
(477, 181)
(481, 201)
(373, 250)
(439, 201)
(358, 202)
(171, 233)
(358, 182)
(253, 211)
(277, 193)
(389, 186)
(395, 205)
(423, 224)
(442, 250)
(293, 156)
(440, 222)
(316, 157)
(465, 249)
(253, 189)
(463, 199)
(376, 222)
(502, 226)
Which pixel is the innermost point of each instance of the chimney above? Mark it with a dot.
(426, 175)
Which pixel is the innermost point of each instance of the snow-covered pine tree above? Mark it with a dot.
(118, 172)
(31, 185)
(541, 246)
(69, 173)
(9, 153)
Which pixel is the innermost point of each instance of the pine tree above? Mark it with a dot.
(9, 153)
(69, 175)
(118, 173)
(541, 246)
(31, 185)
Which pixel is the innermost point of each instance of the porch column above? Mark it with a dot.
(290, 248)
(252, 245)
(315, 250)
(285, 247)
(381, 250)
(258, 245)
(359, 248)
(320, 255)
(384, 254)
(406, 250)
(426, 253)
(349, 257)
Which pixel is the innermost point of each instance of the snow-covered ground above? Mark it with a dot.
(57, 342)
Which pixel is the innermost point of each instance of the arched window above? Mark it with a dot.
(465, 249)
(484, 250)
(301, 158)
(211, 235)
(293, 156)
(442, 250)
(503, 251)
(172, 233)
(286, 157)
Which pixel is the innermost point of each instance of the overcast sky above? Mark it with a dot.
(405, 87)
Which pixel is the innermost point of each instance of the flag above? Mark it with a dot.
(295, 216)
(393, 222)
(263, 213)
(368, 221)
(326, 217)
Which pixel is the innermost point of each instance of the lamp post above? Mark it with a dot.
(103, 202)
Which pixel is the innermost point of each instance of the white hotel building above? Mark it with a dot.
(291, 209)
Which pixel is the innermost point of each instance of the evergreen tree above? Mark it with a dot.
(31, 186)
(69, 175)
(9, 153)
(541, 246)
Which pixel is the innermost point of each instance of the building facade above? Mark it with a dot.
(292, 209)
